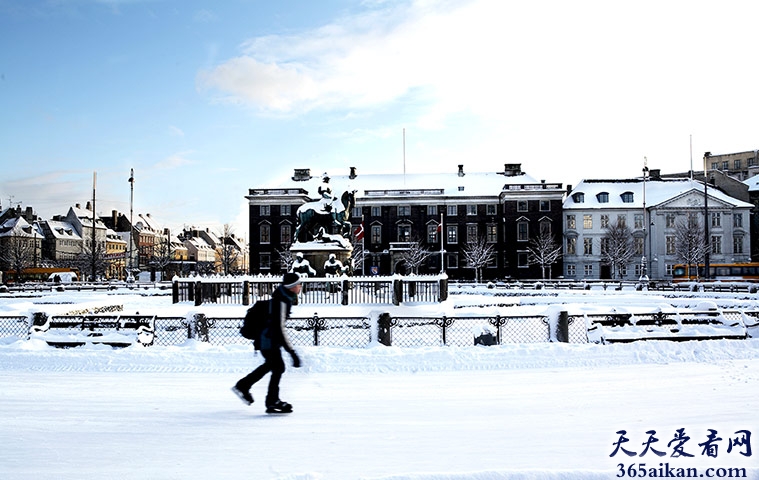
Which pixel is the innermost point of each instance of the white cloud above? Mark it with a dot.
(175, 161)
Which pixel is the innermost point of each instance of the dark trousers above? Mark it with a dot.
(272, 363)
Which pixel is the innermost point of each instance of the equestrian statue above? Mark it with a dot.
(325, 215)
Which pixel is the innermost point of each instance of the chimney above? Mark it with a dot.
(353, 173)
(302, 174)
(88, 207)
(461, 170)
(78, 206)
(512, 169)
(654, 174)
(114, 218)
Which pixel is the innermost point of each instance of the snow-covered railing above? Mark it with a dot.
(342, 290)
(76, 330)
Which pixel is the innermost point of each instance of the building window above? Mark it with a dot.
(404, 233)
(622, 220)
(285, 210)
(376, 234)
(545, 227)
(432, 232)
(717, 244)
(628, 197)
(432, 210)
(669, 268)
(737, 164)
(285, 234)
(522, 205)
(452, 210)
(265, 210)
(716, 219)
(638, 246)
(453, 260)
(452, 234)
(376, 211)
(738, 244)
(572, 246)
(603, 197)
(545, 206)
(356, 212)
(571, 223)
(726, 165)
(638, 221)
(491, 233)
(587, 246)
(605, 245)
(670, 220)
(264, 233)
(578, 198)
(571, 269)
(404, 210)
(588, 269)
(522, 260)
(638, 270)
(471, 209)
(604, 221)
(523, 231)
(738, 220)
(491, 209)
(264, 261)
(715, 165)
(670, 244)
(587, 222)
(471, 233)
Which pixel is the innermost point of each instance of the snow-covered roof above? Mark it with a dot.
(753, 183)
(18, 227)
(657, 192)
(452, 184)
(63, 230)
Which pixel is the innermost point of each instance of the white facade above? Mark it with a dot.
(651, 209)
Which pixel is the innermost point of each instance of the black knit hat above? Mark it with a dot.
(290, 280)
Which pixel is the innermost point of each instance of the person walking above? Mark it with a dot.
(271, 349)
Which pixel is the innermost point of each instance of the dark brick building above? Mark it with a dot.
(506, 209)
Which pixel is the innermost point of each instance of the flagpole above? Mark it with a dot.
(442, 254)
(363, 249)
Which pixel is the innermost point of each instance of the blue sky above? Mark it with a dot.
(206, 99)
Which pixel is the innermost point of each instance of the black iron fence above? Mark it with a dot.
(316, 291)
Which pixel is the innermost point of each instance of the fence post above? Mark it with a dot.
(246, 292)
(346, 284)
(384, 332)
(562, 331)
(397, 291)
(198, 293)
(443, 290)
(175, 292)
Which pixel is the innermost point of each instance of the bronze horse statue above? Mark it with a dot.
(325, 213)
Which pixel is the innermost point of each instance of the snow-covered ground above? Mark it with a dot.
(542, 411)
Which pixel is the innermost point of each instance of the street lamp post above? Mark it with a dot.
(130, 277)
(643, 270)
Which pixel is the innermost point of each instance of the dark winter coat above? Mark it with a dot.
(282, 302)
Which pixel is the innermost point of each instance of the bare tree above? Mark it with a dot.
(617, 247)
(286, 258)
(415, 255)
(543, 251)
(18, 254)
(478, 254)
(690, 244)
(228, 251)
(163, 255)
(91, 260)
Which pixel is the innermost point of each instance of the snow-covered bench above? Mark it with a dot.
(77, 330)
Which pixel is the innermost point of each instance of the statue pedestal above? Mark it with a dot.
(317, 252)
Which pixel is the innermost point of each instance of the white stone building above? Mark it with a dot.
(652, 210)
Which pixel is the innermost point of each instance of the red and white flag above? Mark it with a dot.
(359, 232)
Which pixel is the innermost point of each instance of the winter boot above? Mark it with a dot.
(279, 407)
(245, 396)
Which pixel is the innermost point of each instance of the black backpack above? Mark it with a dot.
(256, 321)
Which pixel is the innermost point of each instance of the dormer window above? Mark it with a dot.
(603, 197)
(578, 197)
(628, 197)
